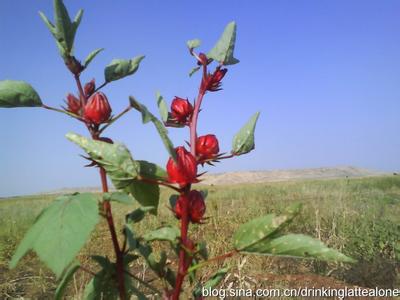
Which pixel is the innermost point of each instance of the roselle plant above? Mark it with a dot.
(62, 229)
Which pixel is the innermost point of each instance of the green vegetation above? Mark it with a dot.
(360, 217)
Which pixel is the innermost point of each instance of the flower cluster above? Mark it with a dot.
(183, 170)
(94, 108)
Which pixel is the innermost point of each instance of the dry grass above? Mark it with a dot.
(358, 216)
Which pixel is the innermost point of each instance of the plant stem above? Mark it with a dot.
(100, 87)
(185, 258)
(82, 97)
(107, 205)
(115, 118)
(62, 111)
(118, 253)
(182, 268)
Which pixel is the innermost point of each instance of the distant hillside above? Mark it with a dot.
(264, 176)
(287, 175)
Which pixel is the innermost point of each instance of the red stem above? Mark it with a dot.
(185, 258)
(106, 205)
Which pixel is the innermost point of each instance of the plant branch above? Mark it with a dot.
(100, 87)
(63, 112)
(159, 182)
(80, 89)
(217, 258)
(115, 119)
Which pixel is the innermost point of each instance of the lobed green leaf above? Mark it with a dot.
(259, 229)
(125, 173)
(298, 245)
(168, 233)
(18, 94)
(243, 141)
(61, 228)
(120, 68)
(223, 49)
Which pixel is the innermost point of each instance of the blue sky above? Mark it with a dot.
(324, 74)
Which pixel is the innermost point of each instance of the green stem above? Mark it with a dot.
(63, 112)
(115, 118)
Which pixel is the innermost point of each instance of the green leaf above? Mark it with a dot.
(124, 172)
(49, 25)
(223, 49)
(67, 276)
(138, 214)
(104, 286)
(152, 171)
(194, 70)
(75, 24)
(162, 107)
(259, 229)
(243, 141)
(214, 280)
(114, 158)
(202, 250)
(169, 233)
(61, 228)
(146, 194)
(298, 245)
(65, 32)
(172, 200)
(18, 94)
(120, 197)
(131, 239)
(120, 68)
(191, 44)
(91, 56)
(149, 117)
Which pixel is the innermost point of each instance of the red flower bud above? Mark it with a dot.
(73, 103)
(212, 82)
(97, 109)
(184, 171)
(207, 146)
(181, 109)
(178, 209)
(197, 206)
(89, 88)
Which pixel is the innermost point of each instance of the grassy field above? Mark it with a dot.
(361, 217)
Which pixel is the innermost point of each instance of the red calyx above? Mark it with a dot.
(197, 206)
(212, 82)
(178, 209)
(184, 171)
(89, 88)
(97, 109)
(207, 146)
(73, 103)
(181, 110)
